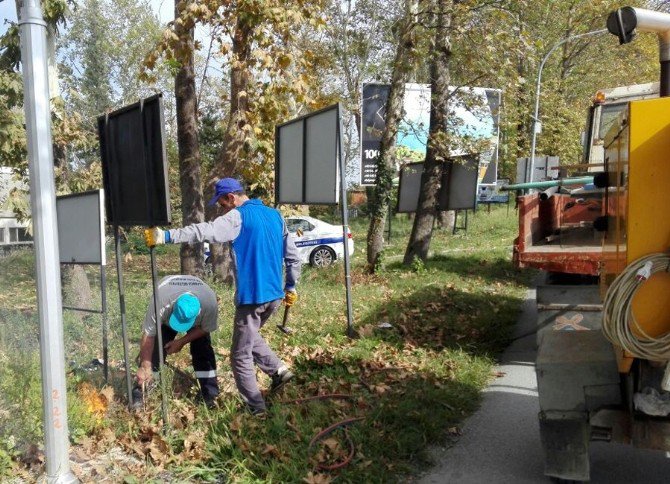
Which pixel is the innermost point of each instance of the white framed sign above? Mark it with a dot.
(307, 151)
(81, 228)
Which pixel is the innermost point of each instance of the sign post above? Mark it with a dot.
(309, 166)
(135, 175)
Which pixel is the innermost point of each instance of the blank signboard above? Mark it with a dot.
(410, 185)
(81, 229)
(461, 184)
(458, 190)
(290, 149)
(134, 164)
(307, 159)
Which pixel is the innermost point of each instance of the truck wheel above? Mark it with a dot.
(322, 256)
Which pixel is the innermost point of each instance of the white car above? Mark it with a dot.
(319, 243)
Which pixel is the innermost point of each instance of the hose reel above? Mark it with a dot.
(619, 323)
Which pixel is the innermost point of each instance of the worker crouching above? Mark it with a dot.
(186, 305)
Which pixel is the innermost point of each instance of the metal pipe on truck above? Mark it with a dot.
(583, 180)
(548, 193)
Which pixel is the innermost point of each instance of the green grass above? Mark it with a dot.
(409, 384)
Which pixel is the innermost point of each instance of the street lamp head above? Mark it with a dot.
(625, 21)
(622, 23)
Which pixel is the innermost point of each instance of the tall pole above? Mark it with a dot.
(351, 332)
(34, 54)
(122, 310)
(159, 337)
(536, 120)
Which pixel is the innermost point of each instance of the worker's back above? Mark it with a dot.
(259, 254)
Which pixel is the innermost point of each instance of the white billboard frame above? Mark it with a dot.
(81, 228)
(81, 240)
(304, 149)
(473, 121)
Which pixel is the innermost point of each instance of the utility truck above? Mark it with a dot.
(558, 227)
(602, 365)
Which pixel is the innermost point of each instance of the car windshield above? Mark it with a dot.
(295, 224)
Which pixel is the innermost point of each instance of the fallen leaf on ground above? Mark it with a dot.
(270, 449)
(236, 424)
(317, 479)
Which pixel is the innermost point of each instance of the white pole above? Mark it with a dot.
(531, 165)
(34, 54)
(351, 332)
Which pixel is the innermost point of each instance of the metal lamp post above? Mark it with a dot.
(536, 120)
(34, 53)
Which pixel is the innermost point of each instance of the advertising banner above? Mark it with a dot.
(473, 126)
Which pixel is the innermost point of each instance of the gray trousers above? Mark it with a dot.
(249, 349)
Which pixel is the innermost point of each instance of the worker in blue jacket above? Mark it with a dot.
(261, 246)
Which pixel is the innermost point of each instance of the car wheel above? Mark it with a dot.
(322, 256)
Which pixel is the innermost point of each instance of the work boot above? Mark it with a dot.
(281, 378)
(259, 413)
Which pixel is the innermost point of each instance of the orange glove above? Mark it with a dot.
(290, 297)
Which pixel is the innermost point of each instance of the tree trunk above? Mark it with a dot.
(76, 289)
(437, 150)
(446, 219)
(233, 151)
(191, 255)
(386, 164)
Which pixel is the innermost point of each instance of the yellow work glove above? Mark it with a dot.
(154, 236)
(290, 297)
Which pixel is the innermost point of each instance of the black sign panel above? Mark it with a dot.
(134, 164)
(409, 187)
(458, 190)
(373, 123)
(459, 183)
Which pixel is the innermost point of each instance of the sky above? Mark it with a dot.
(164, 8)
(7, 12)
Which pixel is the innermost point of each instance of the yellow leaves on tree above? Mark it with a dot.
(274, 81)
(284, 61)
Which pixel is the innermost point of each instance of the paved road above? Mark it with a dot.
(501, 442)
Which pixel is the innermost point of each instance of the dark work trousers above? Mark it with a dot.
(250, 348)
(202, 356)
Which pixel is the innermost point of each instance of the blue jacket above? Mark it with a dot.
(259, 254)
(261, 243)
